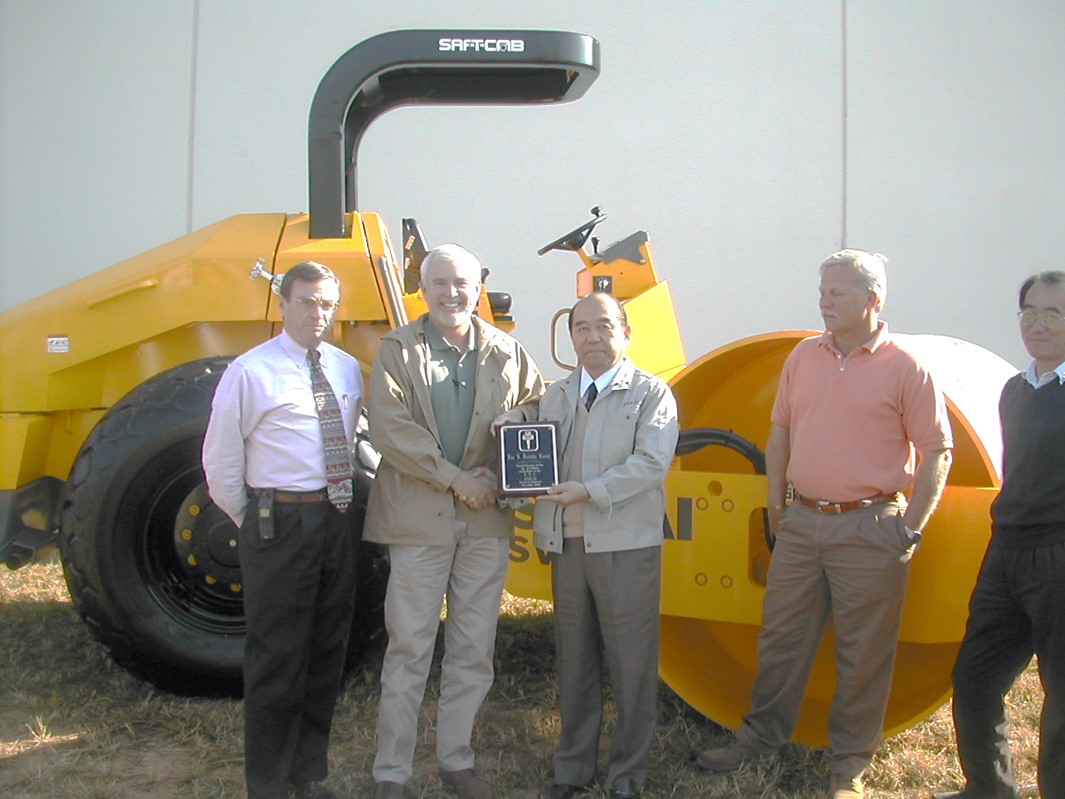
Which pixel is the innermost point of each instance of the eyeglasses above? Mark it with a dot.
(310, 302)
(1049, 319)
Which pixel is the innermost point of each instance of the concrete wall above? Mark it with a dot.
(750, 139)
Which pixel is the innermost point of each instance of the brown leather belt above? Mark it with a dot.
(295, 496)
(824, 506)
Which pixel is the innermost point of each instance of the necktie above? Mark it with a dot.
(337, 455)
(590, 395)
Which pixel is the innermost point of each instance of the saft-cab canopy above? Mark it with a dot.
(437, 67)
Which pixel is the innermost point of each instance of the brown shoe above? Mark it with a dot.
(390, 790)
(729, 758)
(466, 784)
(844, 787)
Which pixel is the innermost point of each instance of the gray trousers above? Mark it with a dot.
(846, 568)
(606, 607)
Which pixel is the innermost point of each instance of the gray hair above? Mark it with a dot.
(309, 271)
(452, 254)
(870, 266)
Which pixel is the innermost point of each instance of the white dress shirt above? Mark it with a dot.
(1040, 380)
(264, 429)
(602, 382)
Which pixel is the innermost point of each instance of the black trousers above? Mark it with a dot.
(299, 591)
(1017, 610)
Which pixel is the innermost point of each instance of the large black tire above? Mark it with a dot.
(152, 563)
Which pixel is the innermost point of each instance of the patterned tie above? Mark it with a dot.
(337, 456)
(590, 395)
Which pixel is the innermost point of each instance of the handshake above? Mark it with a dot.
(478, 487)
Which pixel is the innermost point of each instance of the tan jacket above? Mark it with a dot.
(410, 502)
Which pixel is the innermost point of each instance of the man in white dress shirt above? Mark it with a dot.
(266, 467)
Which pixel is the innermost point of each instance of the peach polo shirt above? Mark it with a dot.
(854, 421)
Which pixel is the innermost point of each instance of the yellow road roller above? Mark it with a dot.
(102, 422)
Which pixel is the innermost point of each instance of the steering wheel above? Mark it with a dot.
(575, 239)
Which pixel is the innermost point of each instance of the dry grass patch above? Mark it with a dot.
(75, 726)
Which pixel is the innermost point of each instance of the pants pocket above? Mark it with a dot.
(885, 528)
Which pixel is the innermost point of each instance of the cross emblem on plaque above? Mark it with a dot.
(528, 440)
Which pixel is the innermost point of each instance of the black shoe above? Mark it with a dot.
(312, 790)
(625, 788)
(560, 790)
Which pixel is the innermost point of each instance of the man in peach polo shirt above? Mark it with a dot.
(852, 408)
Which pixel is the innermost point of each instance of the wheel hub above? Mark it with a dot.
(207, 545)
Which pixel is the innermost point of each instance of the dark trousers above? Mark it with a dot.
(1017, 610)
(299, 591)
(606, 607)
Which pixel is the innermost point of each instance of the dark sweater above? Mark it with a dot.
(1029, 511)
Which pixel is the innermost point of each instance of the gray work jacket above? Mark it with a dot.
(629, 444)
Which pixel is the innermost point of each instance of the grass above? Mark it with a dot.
(75, 726)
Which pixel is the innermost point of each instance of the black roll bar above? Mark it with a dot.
(438, 67)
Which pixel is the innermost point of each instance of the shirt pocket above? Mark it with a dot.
(298, 400)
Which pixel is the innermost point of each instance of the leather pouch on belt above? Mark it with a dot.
(265, 511)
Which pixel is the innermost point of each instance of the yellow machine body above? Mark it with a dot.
(81, 348)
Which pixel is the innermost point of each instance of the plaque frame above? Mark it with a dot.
(544, 458)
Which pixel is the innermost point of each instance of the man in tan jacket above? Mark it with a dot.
(437, 385)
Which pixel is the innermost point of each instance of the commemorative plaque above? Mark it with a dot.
(528, 458)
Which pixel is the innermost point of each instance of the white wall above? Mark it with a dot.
(716, 126)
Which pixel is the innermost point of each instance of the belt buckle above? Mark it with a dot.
(827, 507)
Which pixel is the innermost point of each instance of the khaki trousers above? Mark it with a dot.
(846, 568)
(471, 572)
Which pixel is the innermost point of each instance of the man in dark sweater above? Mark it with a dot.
(1018, 606)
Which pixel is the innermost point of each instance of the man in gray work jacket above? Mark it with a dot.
(603, 521)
